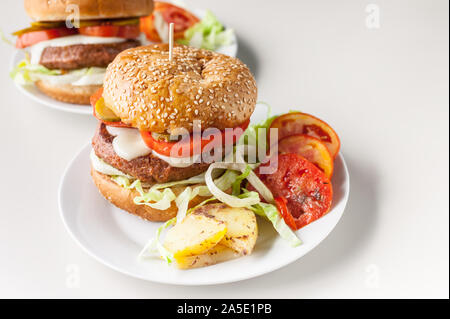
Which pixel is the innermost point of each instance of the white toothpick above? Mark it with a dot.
(171, 41)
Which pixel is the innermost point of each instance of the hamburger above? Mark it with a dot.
(149, 108)
(70, 43)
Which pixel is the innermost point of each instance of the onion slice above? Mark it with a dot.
(230, 200)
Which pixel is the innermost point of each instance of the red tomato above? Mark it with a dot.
(281, 203)
(165, 148)
(107, 30)
(181, 18)
(94, 98)
(302, 123)
(306, 188)
(310, 148)
(33, 37)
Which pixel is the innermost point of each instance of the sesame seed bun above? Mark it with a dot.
(68, 93)
(149, 92)
(124, 199)
(60, 10)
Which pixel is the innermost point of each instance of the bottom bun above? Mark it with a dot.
(68, 93)
(123, 199)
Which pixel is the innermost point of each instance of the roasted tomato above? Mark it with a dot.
(302, 123)
(30, 38)
(310, 148)
(181, 18)
(165, 147)
(281, 203)
(109, 30)
(307, 189)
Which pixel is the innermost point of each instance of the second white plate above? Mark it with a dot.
(36, 95)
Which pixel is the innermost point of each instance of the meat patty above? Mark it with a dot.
(149, 169)
(79, 56)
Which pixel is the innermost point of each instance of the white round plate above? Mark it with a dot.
(115, 237)
(36, 95)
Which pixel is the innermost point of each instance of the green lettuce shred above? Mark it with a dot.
(208, 34)
(25, 72)
(236, 186)
(270, 212)
(250, 135)
(155, 246)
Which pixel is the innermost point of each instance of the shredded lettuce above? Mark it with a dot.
(270, 212)
(236, 186)
(160, 196)
(155, 246)
(26, 73)
(250, 135)
(182, 202)
(153, 198)
(208, 34)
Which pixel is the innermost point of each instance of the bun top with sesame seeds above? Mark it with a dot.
(151, 93)
(60, 10)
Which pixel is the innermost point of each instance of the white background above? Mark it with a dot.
(384, 90)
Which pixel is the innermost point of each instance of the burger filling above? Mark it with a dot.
(121, 154)
(124, 150)
(76, 56)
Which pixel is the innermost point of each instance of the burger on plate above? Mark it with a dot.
(70, 43)
(151, 106)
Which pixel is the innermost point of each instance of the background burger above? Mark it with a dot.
(68, 63)
(147, 99)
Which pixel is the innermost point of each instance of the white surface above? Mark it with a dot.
(385, 91)
(123, 236)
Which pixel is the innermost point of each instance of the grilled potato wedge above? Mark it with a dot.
(242, 229)
(215, 255)
(195, 235)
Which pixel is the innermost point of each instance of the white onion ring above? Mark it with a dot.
(230, 200)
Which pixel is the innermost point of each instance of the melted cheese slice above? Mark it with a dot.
(128, 144)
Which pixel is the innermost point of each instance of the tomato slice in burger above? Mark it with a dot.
(109, 30)
(181, 18)
(307, 190)
(302, 123)
(30, 38)
(166, 148)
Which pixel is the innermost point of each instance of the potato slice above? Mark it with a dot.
(215, 255)
(195, 235)
(242, 229)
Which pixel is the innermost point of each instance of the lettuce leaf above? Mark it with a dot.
(236, 186)
(270, 212)
(208, 34)
(26, 73)
(155, 246)
(250, 135)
